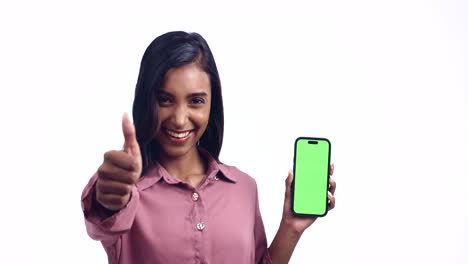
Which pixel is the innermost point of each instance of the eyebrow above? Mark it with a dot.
(191, 95)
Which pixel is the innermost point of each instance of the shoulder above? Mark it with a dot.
(241, 184)
(236, 175)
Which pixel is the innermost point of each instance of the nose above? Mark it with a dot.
(180, 117)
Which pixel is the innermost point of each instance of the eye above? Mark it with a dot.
(164, 100)
(197, 100)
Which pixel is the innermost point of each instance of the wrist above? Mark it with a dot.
(289, 228)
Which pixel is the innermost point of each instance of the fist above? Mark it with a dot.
(120, 171)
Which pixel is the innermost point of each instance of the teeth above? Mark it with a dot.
(178, 135)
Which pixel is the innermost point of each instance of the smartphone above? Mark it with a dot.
(311, 172)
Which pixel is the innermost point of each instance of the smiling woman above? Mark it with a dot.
(184, 110)
(166, 197)
(160, 78)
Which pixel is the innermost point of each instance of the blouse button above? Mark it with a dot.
(201, 226)
(195, 196)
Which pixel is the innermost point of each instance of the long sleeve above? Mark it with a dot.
(262, 255)
(169, 221)
(107, 229)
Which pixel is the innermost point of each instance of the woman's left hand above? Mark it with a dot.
(301, 223)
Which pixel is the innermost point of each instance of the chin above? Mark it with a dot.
(176, 151)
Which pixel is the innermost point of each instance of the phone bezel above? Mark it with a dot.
(294, 178)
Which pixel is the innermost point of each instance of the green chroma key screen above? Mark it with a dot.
(310, 186)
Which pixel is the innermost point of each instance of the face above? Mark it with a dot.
(184, 110)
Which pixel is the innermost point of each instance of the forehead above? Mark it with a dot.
(189, 78)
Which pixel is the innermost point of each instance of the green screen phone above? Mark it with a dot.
(311, 172)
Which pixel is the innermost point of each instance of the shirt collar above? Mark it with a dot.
(216, 166)
(215, 170)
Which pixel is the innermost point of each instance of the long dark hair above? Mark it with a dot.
(170, 50)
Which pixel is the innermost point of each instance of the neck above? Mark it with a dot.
(190, 168)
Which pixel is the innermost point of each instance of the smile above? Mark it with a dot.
(181, 135)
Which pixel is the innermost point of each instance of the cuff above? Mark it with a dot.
(100, 220)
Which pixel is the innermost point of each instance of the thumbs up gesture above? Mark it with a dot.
(120, 171)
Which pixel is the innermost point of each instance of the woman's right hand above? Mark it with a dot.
(120, 171)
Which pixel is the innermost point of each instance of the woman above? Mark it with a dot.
(166, 197)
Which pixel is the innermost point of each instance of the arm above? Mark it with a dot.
(103, 224)
(109, 200)
(262, 255)
(292, 226)
(283, 244)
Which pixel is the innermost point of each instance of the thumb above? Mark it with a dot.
(288, 182)
(131, 144)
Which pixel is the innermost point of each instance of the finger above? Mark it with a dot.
(331, 201)
(106, 186)
(111, 172)
(332, 185)
(111, 201)
(131, 144)
(332, 168)
(122, 160)
(288, 183)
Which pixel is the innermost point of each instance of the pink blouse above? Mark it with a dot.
(169, 221)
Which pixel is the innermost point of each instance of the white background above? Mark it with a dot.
(385, 81)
